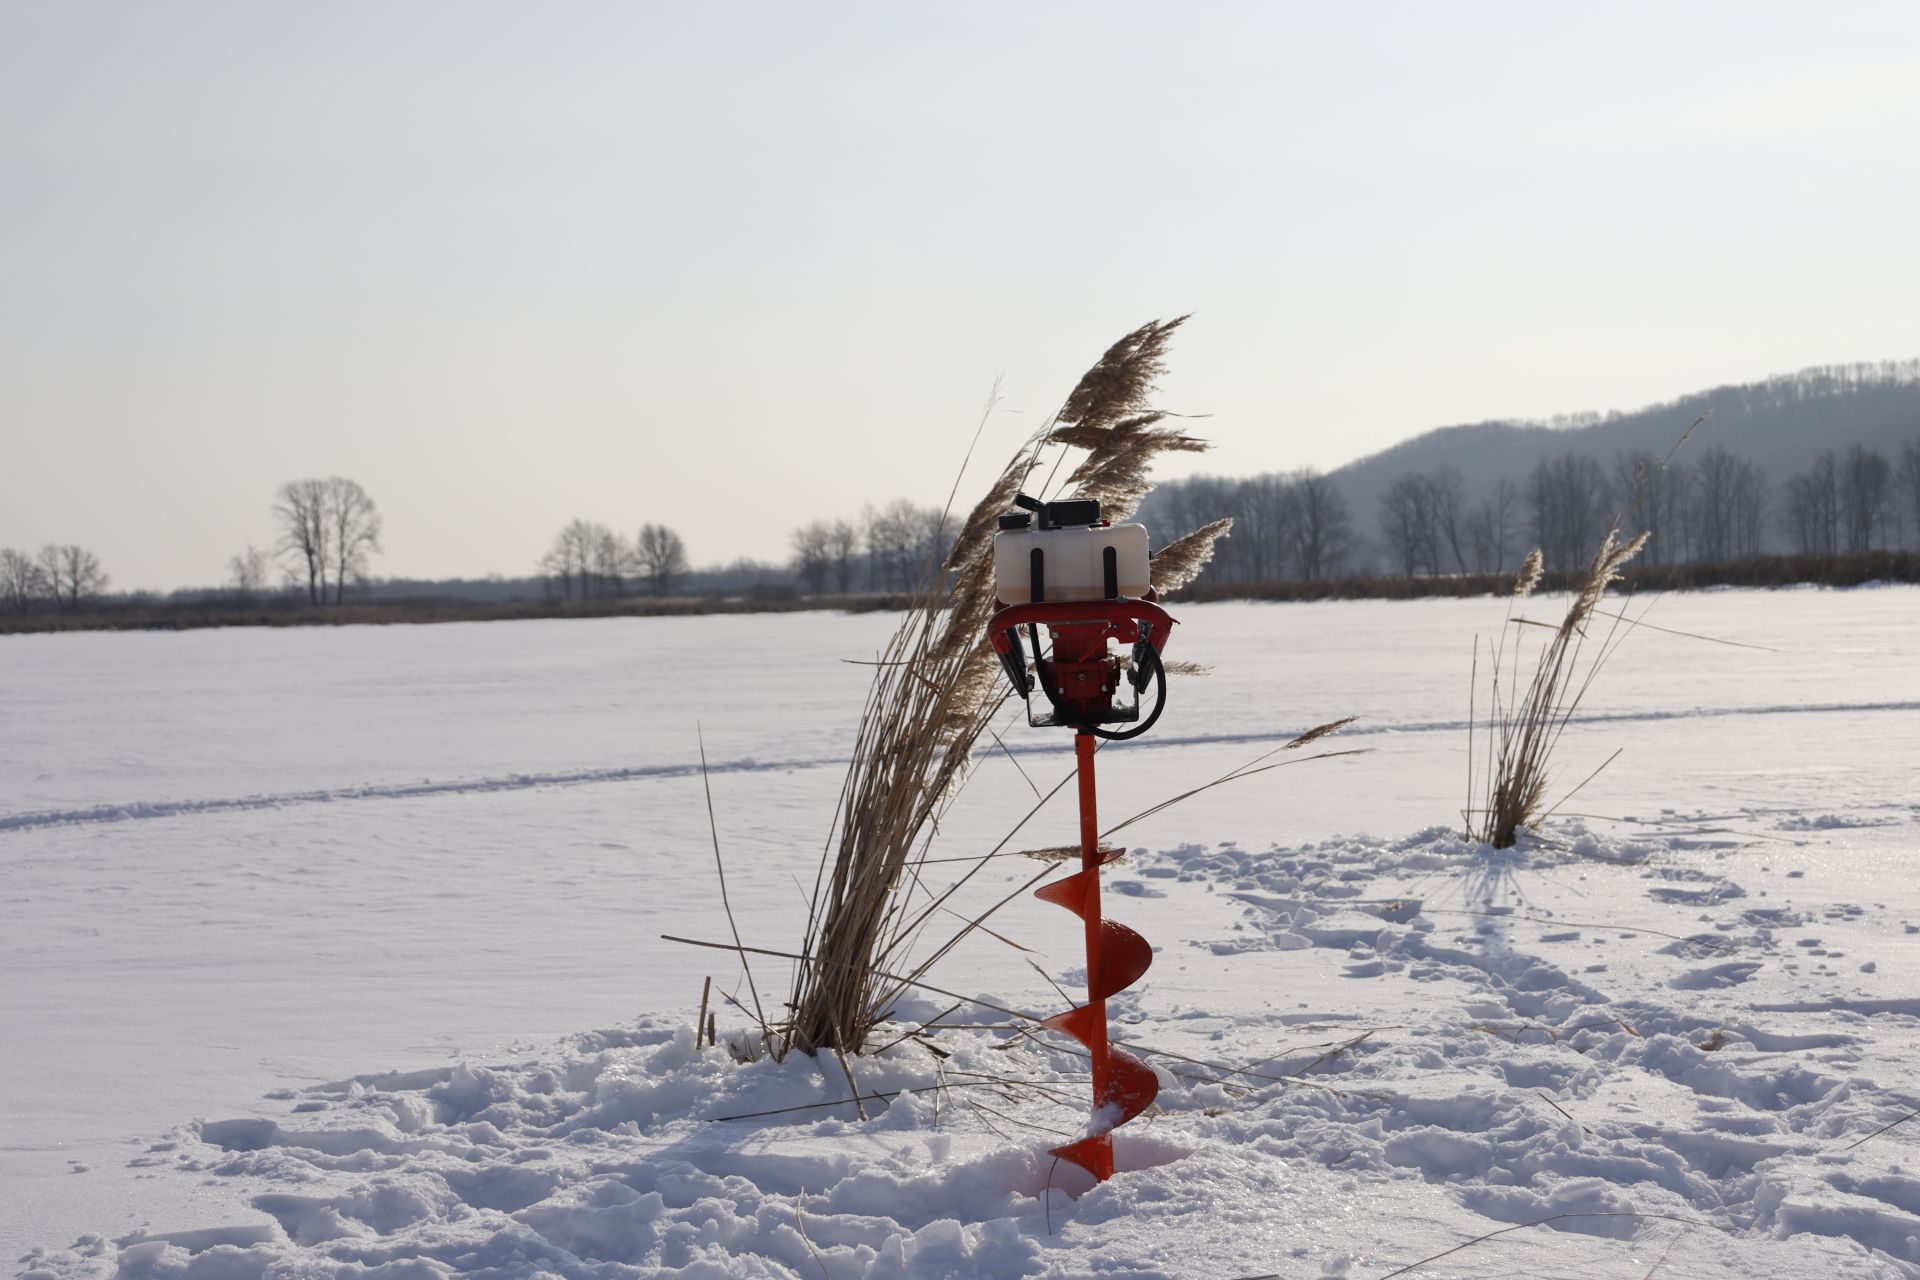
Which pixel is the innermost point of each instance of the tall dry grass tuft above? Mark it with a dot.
(935, 689)
(1523, 731)
(1524, 728)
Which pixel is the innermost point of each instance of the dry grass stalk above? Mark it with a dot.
(1551, 1218)
(726, 904)
(1526, 727)
(935, 689)
(1254, 766)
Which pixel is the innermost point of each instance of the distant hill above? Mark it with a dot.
(1780, 424)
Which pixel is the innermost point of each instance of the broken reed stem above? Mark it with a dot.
(852, 1084)
(801, 1224)
(700, 1023)
(720, 872)
(1882, 1129)
(1661, 1261)
(1541, 1222)
(1562, 1110)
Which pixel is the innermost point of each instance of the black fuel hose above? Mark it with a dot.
(1151, 655)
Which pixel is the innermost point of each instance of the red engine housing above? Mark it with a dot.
(1082, 676)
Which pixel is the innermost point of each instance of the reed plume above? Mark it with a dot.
(934, 691)
(1529, 575)
(1180, 561)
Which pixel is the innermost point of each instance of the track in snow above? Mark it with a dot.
(140, 809)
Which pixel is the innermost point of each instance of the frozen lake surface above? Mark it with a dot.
(244, 867)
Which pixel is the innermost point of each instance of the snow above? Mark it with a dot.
(381, 906)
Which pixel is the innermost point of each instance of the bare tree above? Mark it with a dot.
(70, 574)
(889, 534)
(1813, 507)
(1749, 508)
(1865, 482)
(1490, 527)
(1198, 500)
(1710, 507)
(1802, 517)
(248, 572)
(21, 582)
(353, 530)
(903, 541)
(612, 560)
(1264, 511)
(843, 543)
(1653, 500)
(1571, 503)
(570, 559)
(46, 566)
(660, 557)
(1445, 494)
(1909, 480)
(1421, 522)
(813, 554)
(302, 512)
(1323, 530)
(1406, 525)
(1669, 504)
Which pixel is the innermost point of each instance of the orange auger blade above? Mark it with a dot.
(1124, 956)
(1123, 1085)
(1077, 1023)
(1069, 891)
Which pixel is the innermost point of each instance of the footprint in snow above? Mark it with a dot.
(1713, 976)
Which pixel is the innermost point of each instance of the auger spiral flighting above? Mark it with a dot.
(1059, 566)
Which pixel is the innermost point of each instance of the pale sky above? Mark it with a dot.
(731, 267)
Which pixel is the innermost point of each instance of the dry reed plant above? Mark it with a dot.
(1524, 731)
(1525, 727)
(935, 689)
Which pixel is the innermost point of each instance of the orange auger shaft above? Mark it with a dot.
(1123, 1086)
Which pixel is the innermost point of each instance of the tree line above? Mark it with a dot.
(60, 575)
(884, 549)
(1291, 526)
(1718, 508)
(328, 529)
(887, 549)
(589, 559)
(1715, 508)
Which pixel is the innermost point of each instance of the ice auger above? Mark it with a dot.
(1059, 566)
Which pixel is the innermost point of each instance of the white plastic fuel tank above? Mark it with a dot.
(1073, 562)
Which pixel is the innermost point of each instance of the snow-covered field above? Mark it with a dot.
(381, 907)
